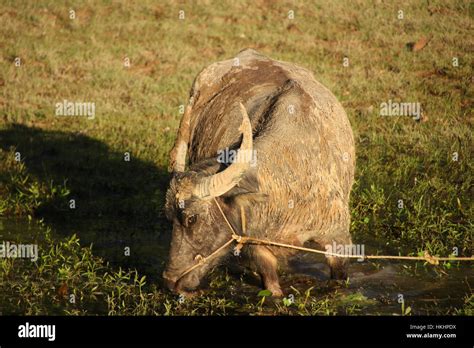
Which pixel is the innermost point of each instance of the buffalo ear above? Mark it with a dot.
(242, 201)
(250, 198)
(246, 193)
(247, 184)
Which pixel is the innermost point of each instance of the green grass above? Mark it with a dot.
(137, 111)
(69, 279)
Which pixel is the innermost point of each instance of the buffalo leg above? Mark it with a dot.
(337, 265)
(267, 265)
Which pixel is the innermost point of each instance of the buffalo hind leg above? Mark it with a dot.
(267, 266)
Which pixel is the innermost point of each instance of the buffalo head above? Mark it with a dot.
(198, 226)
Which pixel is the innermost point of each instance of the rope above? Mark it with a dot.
(203, 260)
(426, 257)
(434, 260)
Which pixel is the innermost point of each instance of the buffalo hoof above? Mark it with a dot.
(275, 290)
(339, 274)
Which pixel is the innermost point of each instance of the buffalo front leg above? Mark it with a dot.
(337, 239)
(267, 266)
(338, 265)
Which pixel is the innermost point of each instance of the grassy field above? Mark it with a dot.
(414, 178)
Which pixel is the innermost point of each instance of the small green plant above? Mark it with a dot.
(263, 294)
(287, 302)
(405, 310)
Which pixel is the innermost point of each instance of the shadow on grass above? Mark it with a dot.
(118, 203)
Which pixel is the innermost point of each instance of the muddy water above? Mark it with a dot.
(426, 289)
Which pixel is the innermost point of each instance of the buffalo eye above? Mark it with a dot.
(191, 220)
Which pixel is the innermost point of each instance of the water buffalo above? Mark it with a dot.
(294, 187)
